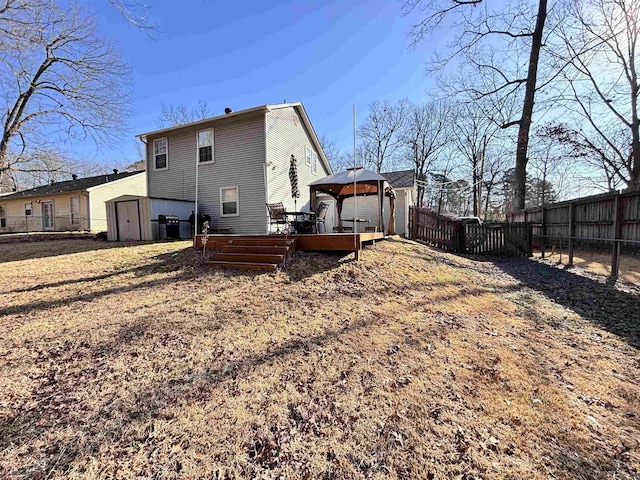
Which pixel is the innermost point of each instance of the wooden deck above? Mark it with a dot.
(334, 242)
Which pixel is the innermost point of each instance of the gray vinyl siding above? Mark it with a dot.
(287, 135)
(239, 156)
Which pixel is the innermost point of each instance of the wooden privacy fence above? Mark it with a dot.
(588, 221)
(455, 236)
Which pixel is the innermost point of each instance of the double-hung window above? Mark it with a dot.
(28, 209)
(3, 217)
(314, 163)
(307, 156)
(160, 154)
(205, 146)
(229, 202)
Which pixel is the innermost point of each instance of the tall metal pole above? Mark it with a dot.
(195, 212)
(355, 197)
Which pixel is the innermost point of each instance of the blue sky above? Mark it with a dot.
(329, 55)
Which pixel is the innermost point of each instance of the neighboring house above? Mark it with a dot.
(242, 161)
(77, 204)
(403, 183)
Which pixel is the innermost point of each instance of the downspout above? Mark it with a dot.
(265, 170)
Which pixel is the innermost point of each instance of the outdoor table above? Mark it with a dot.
(300, 226)
(355, 221)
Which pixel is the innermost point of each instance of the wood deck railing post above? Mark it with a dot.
(572, 231)
(617, 235)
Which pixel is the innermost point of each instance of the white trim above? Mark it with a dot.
(213, 143)
(153, 152)
(314, 162)
(237, 214)
(105, 184)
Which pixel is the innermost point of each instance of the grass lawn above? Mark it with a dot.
(140, 362)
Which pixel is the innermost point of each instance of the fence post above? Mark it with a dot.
(414, 222)
(572, 231)
(459, 241)
(617, 235)
(543, 229)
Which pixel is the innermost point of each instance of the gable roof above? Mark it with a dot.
(70, 185)
(400, 179)
(248, 111)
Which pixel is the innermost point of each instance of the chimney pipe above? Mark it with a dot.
(227, 111)
(115, 171)
(74, 177)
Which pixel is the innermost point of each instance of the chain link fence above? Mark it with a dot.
(48, 223)
(617, 259)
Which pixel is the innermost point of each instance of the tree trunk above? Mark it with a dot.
(520, 177)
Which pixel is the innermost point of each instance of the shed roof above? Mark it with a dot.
(400, 179)
(70, 185)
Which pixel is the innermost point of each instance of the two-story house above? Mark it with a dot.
(236, 163)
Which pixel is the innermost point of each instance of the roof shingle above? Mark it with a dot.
(70, 185)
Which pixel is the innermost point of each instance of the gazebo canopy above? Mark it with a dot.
(354, 182)
(341, 185)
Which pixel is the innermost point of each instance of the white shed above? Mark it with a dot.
(134, 218)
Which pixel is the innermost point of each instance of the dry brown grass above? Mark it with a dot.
(599, 263)
(138, 361)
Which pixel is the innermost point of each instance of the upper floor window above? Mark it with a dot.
(314, 163)
(28, 209)
(307, 155)
(160, 154)
(229, 201)
(205, 146)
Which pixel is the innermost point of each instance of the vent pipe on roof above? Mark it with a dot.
(227, 111)
(115, 171)
(74, 177)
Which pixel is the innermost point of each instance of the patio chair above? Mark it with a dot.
(276, 216)
(321, 213)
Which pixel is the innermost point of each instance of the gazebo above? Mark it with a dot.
(354, 182)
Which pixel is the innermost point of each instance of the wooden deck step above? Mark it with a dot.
(271, 241)
(249, 257)
(243, 265)
(259, 249)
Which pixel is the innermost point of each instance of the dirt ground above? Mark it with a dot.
(139, 361)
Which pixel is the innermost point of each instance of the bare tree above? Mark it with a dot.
(172, 115)
(601, 45)
(61, 80)
(136, 13)
(338, 159)
(381, 133)
(479, 28)
(425, 135)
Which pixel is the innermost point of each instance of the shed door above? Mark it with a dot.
(128, 221)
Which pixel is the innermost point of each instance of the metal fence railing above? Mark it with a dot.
(40, 223)
(617, 259)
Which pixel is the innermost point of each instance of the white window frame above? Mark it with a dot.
(237, 214)
(75, 219)
(30, 214)
(213, 141)
(307, 156)
(314, 163)
(157, 140)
